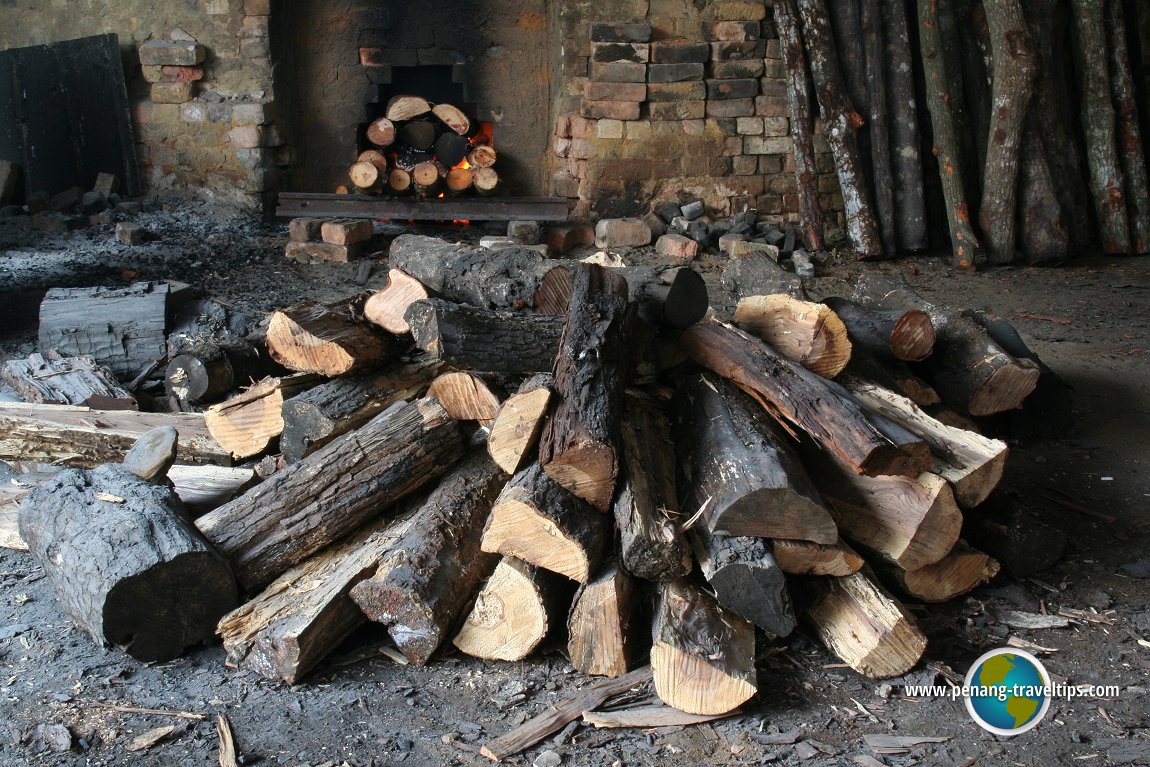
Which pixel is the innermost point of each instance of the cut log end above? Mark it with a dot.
(509, 618)
(958, 572)
(517, 529)
(1005, 390)
(806, 558)
(804, 332)
(587, 470)
(516, 428)
(913, 337)
(466, 397)
(386, 307)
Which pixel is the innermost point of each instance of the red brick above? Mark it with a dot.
(346, 231)
(689, 91)
(676, 246)
(615, 110)
(679, 52)
(618, 72)
(594, 91)
(174, 73)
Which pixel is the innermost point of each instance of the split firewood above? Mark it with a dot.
(466, 396)
(906, 335)
(577, 448)
(453, 118)
(317, 416)
(746, 578)
(249, 423)
(207, 372)
(646, 506)
(485, 340)
(912, 522)
(516, 428)
(742, 477)
(406, 108)
(126, 566)
(806, 558)
(419, 588)
(381, 132)
(387, 306)
(971, 372)
(313, 338)
(970, 462)
(703, 656)
(960, 571)
(804, 332)
(291, 516)
(55, 380)
(482, 156)
(866, 627)
(203, 488)
(797, 396)
(72, 435)
(293, 624)
(599, 627)
(538, 521)
(485, 181)
(512, 613)
(892, 374)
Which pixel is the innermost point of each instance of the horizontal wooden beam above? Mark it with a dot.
(293, 204)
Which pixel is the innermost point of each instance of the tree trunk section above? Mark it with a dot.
(882, 173)
(1045, 238)
(466, 397)
(746, 579)
(126, 566)
(802, 126)
(804, 332)
(703, 656)
(421, 587)
(250, 423)
(736, 470)
(960, 571)
(512, 614)
(485, 340)
(904, 335)
(517, 425)
(1130, 151)
(293, 515)
(902, 110)
(600, 624)
(841, 122)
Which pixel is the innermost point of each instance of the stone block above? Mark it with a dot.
(686, 91)
(614, 110)
(731, 108)
(622, 232)
(172, 93)
(607, 52)
(658, 226)
(679, 52)
(563, 184)
(609, 129)
(745, 165)
(171, 52)
(618, 72)
(246, 137)
(249, 114)
(738, 10)
(774, 49)
(744, 248)
(92, 203)
(255, 48)
(304, 252)
(775, 69)
(768, 145)
(733, 89)
(633, 32)
(304, 229)
(736, 69)
(727, 241)
(251, 159)
(674, 73)
(132, 234)
(254, 26)
(152, 74)
(678, 248)
(679, 110)
(593, 91)
(733, 31)
(638, 130)
(346, 231)
(772, 88)
(772, 107)
(524, 232)
(219, 113)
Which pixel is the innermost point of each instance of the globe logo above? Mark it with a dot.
(1008, 691)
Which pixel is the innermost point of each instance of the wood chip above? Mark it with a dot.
(1019, 620)
(150, 711)
(110, 498)
(227, 742)
(648, 716)
(899, 744)
(1031, 647)
(154, 736)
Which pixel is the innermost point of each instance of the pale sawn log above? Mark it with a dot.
(516, 428)
(513, 612)
(327, 340)
(806, 558)
(808, 333)
(466, 396)
(960, 571)
(387, 306)
(600, 624)
(250, 423)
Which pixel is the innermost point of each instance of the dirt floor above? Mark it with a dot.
(1087, 320)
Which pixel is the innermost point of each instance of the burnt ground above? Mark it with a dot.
(1088, 320)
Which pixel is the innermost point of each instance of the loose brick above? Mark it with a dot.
(323, 251)
(742, 50)
(171, 52)
(607, 52)
(172, 93)
(737, 68)
(132, 234)
(679, 52)
(173, 73)
(610, 129)
(731, 108)
(677, 247)
(152, 74)
(634, 32)
(524, 232)
(680, 110)
(674, 73)
(593, 91)
(658, 226)
(733, 89)
(304, 229)
(687, 91)
(727, 241)
(67, 200)
(613, 110)
(733, 31)
(618, 72)
(622, 232)
(745, 248)
(104, 186)
(346, 231)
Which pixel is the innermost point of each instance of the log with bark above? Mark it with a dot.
(126, 566)
(1131, 154)
(420, 588)
(399, 180)
(250, 423)
(292, 515)
(866, 627)
(367, 177)
(746, 578)
(796, 396)
(539, 522)
(55, 380)
(315, 417)
(906, 335)
(600, 624)
(466, 396)
(516, 428)
(873, 34)
(485, 340)
(806, 558)
(313, 338)
(387, 306)
(293, 624)
(513, 612)
(381, 132)
(646, 507)
(207, 372)
(738, 472)
(756, 272)
(802, 331)
(482, 156)
(703, 656)
(1044, 238)
(674, 298)
(577, 448)
(902, 110)
(459, 180)
(426, 179)
(485, 181)
(960, 571)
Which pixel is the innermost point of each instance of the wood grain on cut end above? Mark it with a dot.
(588, 470)
(806, 558)
(466, 397)
(599, 625)
(958, 572)
(913, 336)
(516, 428)
(509, 618)
(1005, 390)
(313, 338)
(804, 332)
(387, 306)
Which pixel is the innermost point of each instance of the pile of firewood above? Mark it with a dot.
(497, 444)
(425, 149)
